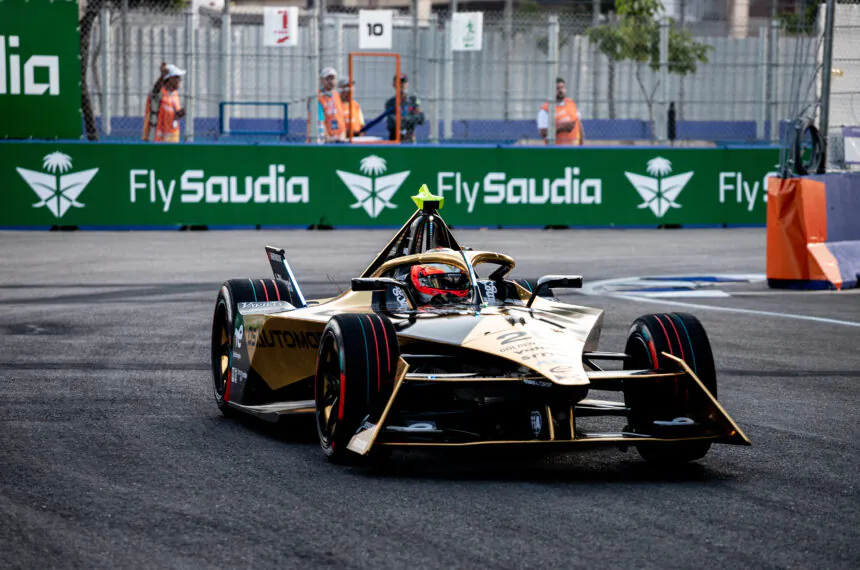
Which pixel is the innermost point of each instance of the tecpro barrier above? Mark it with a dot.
(52, 184)
(813, 233)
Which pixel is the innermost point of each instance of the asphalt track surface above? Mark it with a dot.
(114, 455)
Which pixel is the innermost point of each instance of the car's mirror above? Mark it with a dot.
(555, 282)
(382, 284)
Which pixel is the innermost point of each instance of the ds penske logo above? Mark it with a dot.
(659, 193)
(373, 192)
(57, 192)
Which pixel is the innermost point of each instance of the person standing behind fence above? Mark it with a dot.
(331, 115)
(163, 110)
(410, 112)
(351, 108)
(568, 126)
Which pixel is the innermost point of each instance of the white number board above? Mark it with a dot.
(374, 29)
(467, 31)
(280, 26)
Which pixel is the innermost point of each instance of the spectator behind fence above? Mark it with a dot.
(331, 115)
(568, 126)
(351, 108)
(410, 112)
(163, 111)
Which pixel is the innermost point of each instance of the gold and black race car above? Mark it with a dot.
(435, 346)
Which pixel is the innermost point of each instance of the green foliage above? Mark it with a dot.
(635, 37)
(802, 22)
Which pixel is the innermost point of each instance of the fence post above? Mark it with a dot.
(509, 42)
(226, 48)
(773, 97)
(106, 68)
(448, 102)
(190, 79)
(314, 124)
(125, 57)
(762, 67)
(552, 74)
(826, 71)
(414, 71)
(340, 57)
(433, 111)
(664, 80)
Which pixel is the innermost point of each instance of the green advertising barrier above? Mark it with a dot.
(47, 184)
(40, 69)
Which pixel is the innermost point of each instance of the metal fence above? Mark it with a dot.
(749, 83)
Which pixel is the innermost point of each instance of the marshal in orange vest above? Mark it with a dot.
(566, 114)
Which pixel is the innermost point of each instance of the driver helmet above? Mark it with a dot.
(433, 279)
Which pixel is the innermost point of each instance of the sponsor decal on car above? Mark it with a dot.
(264, 307)
(258, 338)
(537, 423)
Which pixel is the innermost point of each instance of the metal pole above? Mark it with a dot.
(664, 80)
(552, 74)
(104, 20)
(190, 80)
(226, 44)
(509, 46)
(434, 107)
(125, 58)
(762, 66)
(826, 70)
(773, 97)
(448, 102)
(314, 125)
(340, 56)
(414, 71)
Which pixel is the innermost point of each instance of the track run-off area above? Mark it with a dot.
(113, 453)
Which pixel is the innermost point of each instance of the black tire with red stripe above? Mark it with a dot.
(355, 374)
(232, 293)
(683, 336)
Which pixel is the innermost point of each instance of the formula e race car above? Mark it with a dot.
(434, 345)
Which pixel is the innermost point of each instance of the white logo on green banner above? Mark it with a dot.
(660, 192)
(57, 192)
(373, 193)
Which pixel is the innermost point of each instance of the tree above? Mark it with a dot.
(635, 36)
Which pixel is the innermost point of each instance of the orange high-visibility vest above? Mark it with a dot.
(332, 114)
(167, 126)
(565, 112)
(355, 116)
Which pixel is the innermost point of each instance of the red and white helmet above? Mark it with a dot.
(432, 279)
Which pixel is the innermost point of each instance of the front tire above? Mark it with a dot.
(683, 336)
(232, 293)
(355, 374)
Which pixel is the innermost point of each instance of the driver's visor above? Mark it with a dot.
(433, 281)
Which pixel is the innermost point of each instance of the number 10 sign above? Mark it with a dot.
(374, 29)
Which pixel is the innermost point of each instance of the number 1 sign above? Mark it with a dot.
(374, 29)
(280, 26)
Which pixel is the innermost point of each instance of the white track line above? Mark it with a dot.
(735, 310)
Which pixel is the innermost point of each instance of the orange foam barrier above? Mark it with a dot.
(797, 254)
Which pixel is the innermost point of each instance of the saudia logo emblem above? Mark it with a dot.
(373, 192)
(57, 192)
(659, 193)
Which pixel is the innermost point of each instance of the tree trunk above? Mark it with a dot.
(86, 23)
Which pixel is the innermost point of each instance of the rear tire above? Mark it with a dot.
(683, 336)
(232, 293)
(355, 374)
